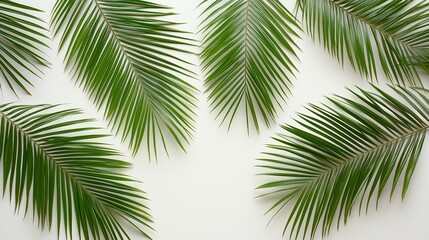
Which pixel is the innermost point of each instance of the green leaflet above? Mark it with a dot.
(247, 57)
(22, 37)
(343, 155)
(53, 159)
(392, 34)
(125, 56)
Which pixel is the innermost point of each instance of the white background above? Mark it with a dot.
(208, 193)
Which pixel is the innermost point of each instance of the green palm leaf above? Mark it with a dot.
(21, 45)
(126, 57)
(392, 34)
(53, 162)
(344, 155)
(247, 57)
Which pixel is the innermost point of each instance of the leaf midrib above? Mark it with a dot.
(52, 159)
(363, 153)
(246, 48)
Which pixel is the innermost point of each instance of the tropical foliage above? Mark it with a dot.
(125, 55)
(22, 42)
(53, 162)
(344, 155)
(248, 57)
(128, 56)
(391, 34)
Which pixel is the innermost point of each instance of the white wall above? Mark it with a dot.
(208, 193)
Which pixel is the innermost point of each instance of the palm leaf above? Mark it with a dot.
(54, 163)
(247, 57)
(126, 57)
(372, 34)
(346, 154)
(22, 39)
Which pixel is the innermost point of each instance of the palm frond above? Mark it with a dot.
(22, 37)
(372, 34)
(129, 61)
(344, 155)
(248, 57)
(54, 162)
